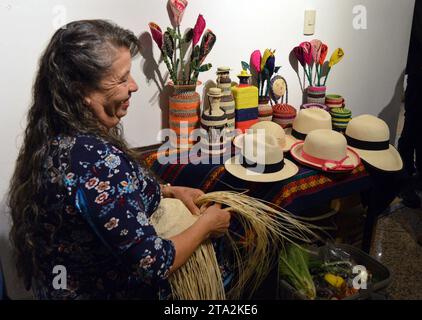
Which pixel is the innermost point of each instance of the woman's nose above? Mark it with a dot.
(133, 86)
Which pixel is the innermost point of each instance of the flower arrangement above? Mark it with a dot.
(173, 46)
(314, 53)
(264, 68)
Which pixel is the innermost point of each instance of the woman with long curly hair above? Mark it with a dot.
(78, 197)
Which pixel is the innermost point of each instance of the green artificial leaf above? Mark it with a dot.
(188, 36)
(171, 32)
(205, 67)
(195, 52)
(177, 65)
(245, 66)
(194, 65)
(168, 45)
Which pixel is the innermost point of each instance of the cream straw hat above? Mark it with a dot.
(261, 160)
(306, 121)
(369, 136)
(270, 128)
(325, 150)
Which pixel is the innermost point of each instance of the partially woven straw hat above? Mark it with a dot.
(199, 278)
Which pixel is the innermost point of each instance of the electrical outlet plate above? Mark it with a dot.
(310, 19)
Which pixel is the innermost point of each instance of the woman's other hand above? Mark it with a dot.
(187, 195)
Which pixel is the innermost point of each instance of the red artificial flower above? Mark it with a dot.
(157, 34)
(324, 52)
(198, 29)
(307, 52)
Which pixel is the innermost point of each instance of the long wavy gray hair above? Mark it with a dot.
(76, 59)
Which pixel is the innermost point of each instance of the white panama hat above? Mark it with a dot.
(269, 128)
(306, 121)
(369, 136)
(261, 160)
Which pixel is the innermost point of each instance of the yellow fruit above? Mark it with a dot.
(335, 281)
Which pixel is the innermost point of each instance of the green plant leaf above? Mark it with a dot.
(196, 52)
(171, 32)
(245, 66)
(177, 65)
(205, 67)
(188, 36)
(168, 45)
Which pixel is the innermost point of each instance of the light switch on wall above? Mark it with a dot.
(310, 18)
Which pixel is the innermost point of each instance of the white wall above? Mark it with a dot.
(370, 76)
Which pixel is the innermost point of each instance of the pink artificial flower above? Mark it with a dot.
(324, 52)
(178, 9)
(198, 29)
(307, 52)
(299, 54)
(157, 34)
(316, 50)
(256, 60)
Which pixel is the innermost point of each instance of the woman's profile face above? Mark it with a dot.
(110, 103)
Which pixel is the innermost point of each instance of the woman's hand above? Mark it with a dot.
(216, 220)
(186, 195)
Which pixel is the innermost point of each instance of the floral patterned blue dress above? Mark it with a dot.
(103, 201)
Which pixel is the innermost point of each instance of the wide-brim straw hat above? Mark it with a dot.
(214, 93)
(326, 150)
(261, 160)
(223, 69)
(269, 128)
(306, 121)
(369, 136)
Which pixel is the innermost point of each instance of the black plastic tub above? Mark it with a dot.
(381, 277)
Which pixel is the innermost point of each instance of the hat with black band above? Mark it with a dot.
(261, 160)
(307, 121)
(298, 135)
(367, 145)
(369, 136)
(263, 168)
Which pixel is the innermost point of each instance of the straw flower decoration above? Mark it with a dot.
(314, 53)
(264, 67)
(173, 46)
(178, 8)
(256, 60)
(198, 29)
(157, 34)
(336, 57)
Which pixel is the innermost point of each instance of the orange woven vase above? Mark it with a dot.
(184, 113)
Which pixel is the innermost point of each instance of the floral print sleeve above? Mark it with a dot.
(116, 197)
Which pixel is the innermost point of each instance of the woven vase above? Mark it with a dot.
(316, 94)
(184, 113)
(265, 111)
(214, 122)
(227, 103)
(284, 114)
